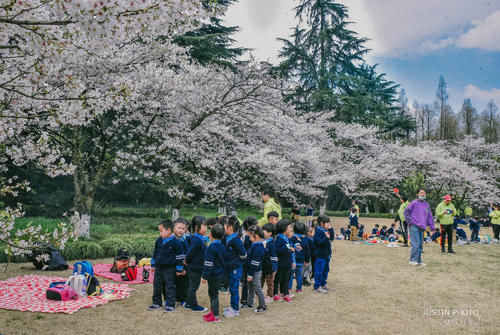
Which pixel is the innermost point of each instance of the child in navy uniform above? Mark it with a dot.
(375, 230)
(235, 256)
(254, 269)
(302, 255)
(247, 243)
(285, 251)
(474, 228)
(309, 269)
(167, 261)
(270, 261)
(323, 249)
(214, 271)
(181, 284)
(194, 261)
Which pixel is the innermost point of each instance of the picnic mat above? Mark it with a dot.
(27, 293)
(102, 270)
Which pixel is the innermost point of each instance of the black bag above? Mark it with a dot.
(56, 261)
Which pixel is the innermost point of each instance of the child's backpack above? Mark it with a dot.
(93, 287)
(130, 274)
(122, 261)
(82, 268)
(79, 284)
(60, 291)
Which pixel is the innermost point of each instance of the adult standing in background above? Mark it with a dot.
(495, 222)
(354, 220)
(446, 212)
(418, 215)
(468, 213)
(401, 216)
(270, 205)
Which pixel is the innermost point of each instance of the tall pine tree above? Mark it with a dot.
(211, 43)
(324, 61)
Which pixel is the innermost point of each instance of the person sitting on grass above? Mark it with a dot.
(347, 235)
(474, 228)
(383, 233)
(167, 261)
(375, 231)
(435, 235)
(361, 231)
(213, 271)
(461, 234)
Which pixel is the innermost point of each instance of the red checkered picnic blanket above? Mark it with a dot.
(27, 293)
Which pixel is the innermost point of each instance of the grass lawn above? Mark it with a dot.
(375, 292)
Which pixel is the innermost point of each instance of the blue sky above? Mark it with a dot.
(414, 42)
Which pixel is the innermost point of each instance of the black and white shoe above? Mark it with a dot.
(260, 309)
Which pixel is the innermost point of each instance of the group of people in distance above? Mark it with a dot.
(225, 252)
(417, 217)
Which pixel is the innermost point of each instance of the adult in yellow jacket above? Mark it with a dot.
(495, 222)
(468, 213)
(446, 212)
(270, 205)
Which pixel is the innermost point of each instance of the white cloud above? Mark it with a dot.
(395, 27)
(485, 35)
(410, 27)
(481, 97)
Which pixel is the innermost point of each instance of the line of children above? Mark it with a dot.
(182, 260)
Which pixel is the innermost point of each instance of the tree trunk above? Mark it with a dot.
(82, 227)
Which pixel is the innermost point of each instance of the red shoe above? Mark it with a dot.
(212, 319)
(208, 315)
(298, 291)
(277, 298)
(288, 299)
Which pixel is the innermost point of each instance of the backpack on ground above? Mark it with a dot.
(82, 268)
(121, 262)
(93, 287)
(54, 263)
(60, 291)
(130, 274)
(79, 284)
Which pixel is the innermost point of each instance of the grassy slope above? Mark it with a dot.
(375, 292)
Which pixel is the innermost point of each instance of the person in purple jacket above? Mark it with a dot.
(418, 214)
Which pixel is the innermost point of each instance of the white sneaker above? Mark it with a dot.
(413, 263)
(230, 313)
(422, 264)
(269, 299)
(326, 288)
(320, 290)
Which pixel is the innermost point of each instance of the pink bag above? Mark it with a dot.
(60, 291)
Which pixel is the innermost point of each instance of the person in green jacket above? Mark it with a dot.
(403, 225)
(446, 212)
(495, 222)
(270, 205)
(468, 214)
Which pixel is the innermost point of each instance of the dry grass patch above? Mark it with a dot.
(375, 292)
